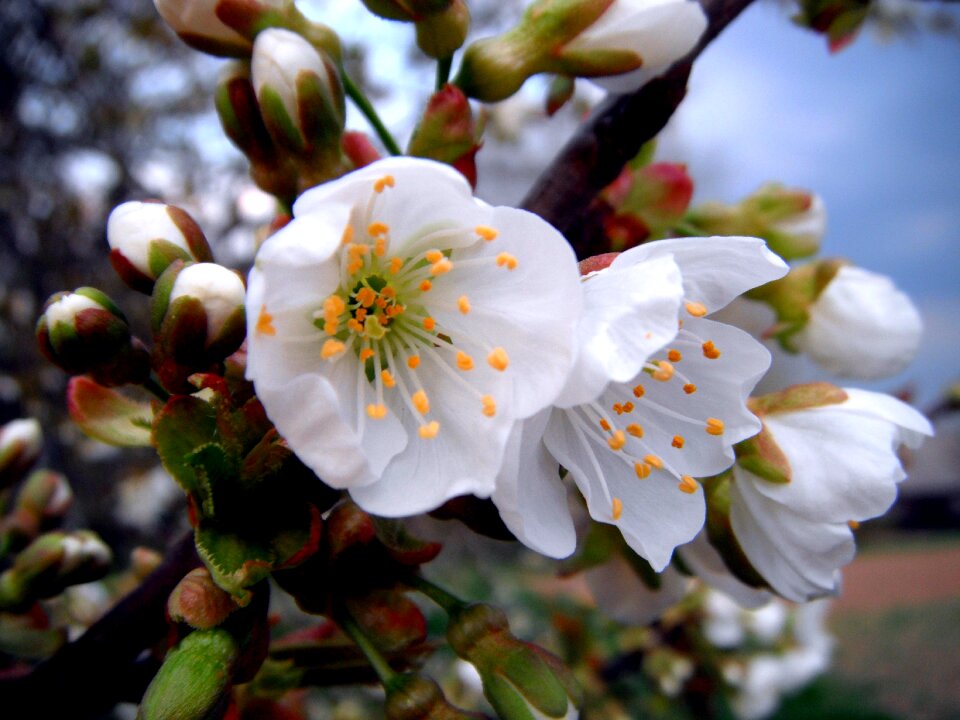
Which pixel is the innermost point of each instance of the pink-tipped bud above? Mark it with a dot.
(447, 132)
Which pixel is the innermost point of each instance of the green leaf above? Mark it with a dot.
(106, 415)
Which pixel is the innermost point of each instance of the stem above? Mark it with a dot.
(441, 597)
(376, 660)
(364, 106)
(443, 71)
(156, 388)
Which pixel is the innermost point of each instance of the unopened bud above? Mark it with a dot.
(447, 132)
(145, 237)
(20, 445)
(440, 35)
(198, 601)
(85, 332)
(416, 697)
(300, 94)
(839, 20)
(406, 10)
(43, 500)
(521, 680)
(647, 202)
(197, 24)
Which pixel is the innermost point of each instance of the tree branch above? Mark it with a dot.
(613, 135)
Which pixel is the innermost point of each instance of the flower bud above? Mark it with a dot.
(43, 500)
(50, 564)
(197, 24)
(20, 445)
(440, 35)
(85, 332)
(521, 680)
(300, 94)
(199, 602)
(791, 221)
(647, 202)
(447, 132)
(839, 20)
(406, 10)
(145, 237)
(198, 319)
(417, 697)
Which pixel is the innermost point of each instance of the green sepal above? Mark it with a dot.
(402, 546)
(762, 456)
(107, 415)
(720, 531)
(278, 121)
(389, 618)
(162, 254)
(798, 397)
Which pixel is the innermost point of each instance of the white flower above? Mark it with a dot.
(658, 31)
(648, 407)
(398, 328)
(843, 467)
(861, 326)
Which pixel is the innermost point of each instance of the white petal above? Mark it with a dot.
(624, 597)
(530, 494)
(707, 564)
(715, 269)
(912, 425)
(797, 556)
(628, 313)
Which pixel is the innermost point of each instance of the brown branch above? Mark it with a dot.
(92, 674)
(613, 135)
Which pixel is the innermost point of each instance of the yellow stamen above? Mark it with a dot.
(618, 408)
(395, 265)
(710, 350)
(388, 292)
(331, 327)
(639, 391)
(498, 359)
(429, 324)
(384, 182)
(347, 236)
(689, 388)
(355, 325)
(421, 402)
(677, 441)
(361, 314)
(507, 260)
(687, 485)
(380, 247)
(617, 440)
(366, 354)
(441, 266)
(366, 296)
(413, 362)
(265, 322)
(489, 405)
(388, 380)
(642, 470)
(426, 286)
(377, 412)
(696, 309)
(377, 228)
(463, 302)
(635, 430)
(653, 461)
(853, 524)
(430, 430)
(664, 371)
(331, 348)
(333, 306)
(617, 509)
(464, 361)
(628, 407)
(487, 233)
(604, 424)
(714, 426)
(674, 356)
(433, 256)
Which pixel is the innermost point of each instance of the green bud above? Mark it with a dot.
(416, 697)
(447, 132)
(441, 34)
(406, 10)
(199, 602)
(43, 501)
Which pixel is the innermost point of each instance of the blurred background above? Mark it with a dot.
(100, 103)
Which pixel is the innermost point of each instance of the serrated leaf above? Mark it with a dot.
(108, 416)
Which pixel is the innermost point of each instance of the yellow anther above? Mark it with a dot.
(395, 310)
(674, 356)
(331, 327)
(380, 247)
(384, 182)
(366, 354)
(642, 470)
(429, 324)
(678, 441)
(395, 265)
(357, 250)
(639, 391)
(498, 359)
(653, 461)
(689, 388)
(441, 266)
(377, 412)
(507, 260)
(635, 430)
(710, 350)
(853, 524)
(486, 232)
(463, 302)
(387, 378)
(617, 440)
(426, 286)
(605, 424)
(714, 426)
(361, 314)
(664, 371)
(433, 256)
(421, 402)
(464, 361)
(347, 236)
(413, 362)
(617, 408)
(489, 405)
(617, 509)
(366, 296)
(388, 292)
(687, 485)
(333, 306)
(430, 430)
(265, 322)
(696, 309)
(353, 267)
(377, 228)
(355, 325)
(331, 348)
(628, 407)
